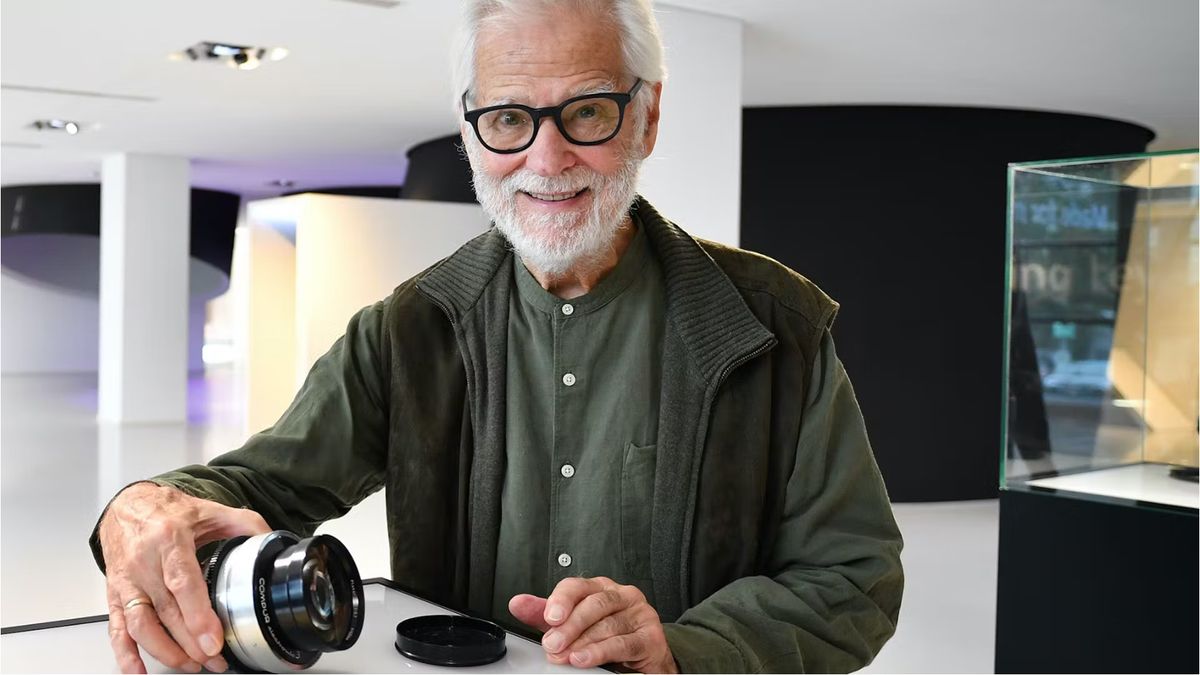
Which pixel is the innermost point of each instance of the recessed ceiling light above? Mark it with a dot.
(71, 128)
(240, 57)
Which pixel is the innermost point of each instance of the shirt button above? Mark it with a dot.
(564, 560)
(568, 309)
(567, 470)
(569, 380)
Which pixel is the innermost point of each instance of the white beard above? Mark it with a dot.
(555, 243)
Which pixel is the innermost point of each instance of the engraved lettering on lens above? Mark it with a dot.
(291, 653)
(262, 599)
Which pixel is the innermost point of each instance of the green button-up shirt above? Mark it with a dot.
(583, 387)
(582, 421)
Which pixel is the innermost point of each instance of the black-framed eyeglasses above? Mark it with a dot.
(590, 119)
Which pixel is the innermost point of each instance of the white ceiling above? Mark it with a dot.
(364, 83)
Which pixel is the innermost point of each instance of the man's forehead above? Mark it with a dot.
(525, 89)
(560, 58)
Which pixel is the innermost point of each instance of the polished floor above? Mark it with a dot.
(59, 467)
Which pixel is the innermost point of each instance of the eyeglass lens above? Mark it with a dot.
(584, 121)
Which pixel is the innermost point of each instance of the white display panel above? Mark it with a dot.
(1149, 483)
(84, 648)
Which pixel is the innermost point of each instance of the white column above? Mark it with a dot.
(144, 229)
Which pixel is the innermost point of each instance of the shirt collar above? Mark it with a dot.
(628, 270)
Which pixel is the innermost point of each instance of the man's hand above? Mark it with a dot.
(590, 622)
(156, 592)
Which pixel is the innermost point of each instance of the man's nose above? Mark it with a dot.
(551, 153)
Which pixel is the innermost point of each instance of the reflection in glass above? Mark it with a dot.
(1102, 364)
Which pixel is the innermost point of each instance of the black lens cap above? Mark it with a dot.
(450, 640)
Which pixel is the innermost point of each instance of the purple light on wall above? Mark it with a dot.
(199, 398)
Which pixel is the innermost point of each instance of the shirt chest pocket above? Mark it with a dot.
(637, 501)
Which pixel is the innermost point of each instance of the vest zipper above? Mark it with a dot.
(440, 305)
(738, 362)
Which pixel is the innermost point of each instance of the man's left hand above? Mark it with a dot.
(590, 622)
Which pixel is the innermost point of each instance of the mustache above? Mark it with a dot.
(525, 180)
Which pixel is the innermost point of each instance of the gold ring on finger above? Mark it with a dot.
(138, 601)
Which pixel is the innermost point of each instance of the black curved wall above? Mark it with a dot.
(438, 171)
(899, 214)
(75, 209)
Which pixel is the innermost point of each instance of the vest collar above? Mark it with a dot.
(704, 308)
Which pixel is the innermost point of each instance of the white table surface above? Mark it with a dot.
(84, 648)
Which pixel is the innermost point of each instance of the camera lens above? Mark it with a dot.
(283, 601)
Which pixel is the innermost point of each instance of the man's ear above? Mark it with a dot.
(464, 129)
(650, 136)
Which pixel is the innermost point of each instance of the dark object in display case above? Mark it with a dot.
(450, 640)
(1188, 473)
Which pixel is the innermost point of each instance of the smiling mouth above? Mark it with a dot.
(553, 196)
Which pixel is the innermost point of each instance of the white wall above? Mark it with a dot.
(694, 175)
(263, 282)
(304, 264)
(44, 329)
(353, 251)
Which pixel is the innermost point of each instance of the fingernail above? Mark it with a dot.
(555, 613)
(190, 667)
(552, 641)
(216, 664)
(209, 644)
(579, 658)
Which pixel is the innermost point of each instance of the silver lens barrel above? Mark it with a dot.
(241, 596)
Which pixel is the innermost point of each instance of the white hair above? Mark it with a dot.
(641, 43)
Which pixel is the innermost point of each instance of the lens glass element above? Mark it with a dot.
(320, 594)
(319, 597)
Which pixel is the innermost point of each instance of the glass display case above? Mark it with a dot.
(1102, 330)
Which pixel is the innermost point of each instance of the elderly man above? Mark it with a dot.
(638, 443)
